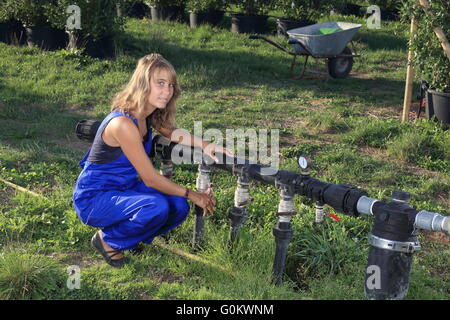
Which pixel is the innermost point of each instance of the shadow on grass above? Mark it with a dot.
(32, 124)
(220, 69)
(381, 40)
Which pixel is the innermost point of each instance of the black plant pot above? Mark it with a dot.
(241, 23)
(4, 32)
(390, 15)
(170, 13)
(46, 37)
(283, 25)
(136, 10)
(438, 104)
(213, 17)
(12, 32)
(99, 48)
(353, 9)
(104, 47)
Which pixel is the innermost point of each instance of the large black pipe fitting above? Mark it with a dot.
(283, 230)
(237, 217)
(199, 228)
(341, 197)
(393, 243)
(86, 129)
(283, 234)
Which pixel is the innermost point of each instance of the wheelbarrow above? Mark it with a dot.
(327, 40)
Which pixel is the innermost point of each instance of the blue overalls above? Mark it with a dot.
(109, 195)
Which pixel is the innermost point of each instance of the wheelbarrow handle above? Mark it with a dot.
(272, 43)
(295, 41)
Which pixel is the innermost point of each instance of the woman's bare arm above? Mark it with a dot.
(125, 133)
(183, 137)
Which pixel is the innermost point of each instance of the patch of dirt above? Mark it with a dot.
(73, 142)
(361, 75)
(381, 90)
(86, 110)
(388, 112)
(437, 237)
(319, 103)
(160, 275)
(6, 194)
(78, 259)
(383, 69)
(72, 108)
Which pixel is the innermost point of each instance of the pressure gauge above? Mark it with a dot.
(304, 162)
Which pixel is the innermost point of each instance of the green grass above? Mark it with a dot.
(349, 127)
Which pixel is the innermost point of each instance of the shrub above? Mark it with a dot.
(391, 5)
(205, 5)
(98, 17)
(29, 12)
(429, 58)
(303, 9)
(252, 7)
(164, 3)
(7, 10)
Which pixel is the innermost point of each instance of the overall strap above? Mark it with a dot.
(100, 129)
(111, 116)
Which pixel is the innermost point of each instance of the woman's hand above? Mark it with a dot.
(211, 148)
(204, 200)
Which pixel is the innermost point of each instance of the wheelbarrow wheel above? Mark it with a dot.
(340, 67)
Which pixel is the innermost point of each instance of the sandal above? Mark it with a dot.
(116, 263)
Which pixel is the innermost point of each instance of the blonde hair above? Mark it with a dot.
(134, 97)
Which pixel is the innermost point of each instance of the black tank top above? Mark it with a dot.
(102, 153)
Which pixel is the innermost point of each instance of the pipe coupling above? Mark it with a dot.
(432, 221)
(365, 205)
(391, 245)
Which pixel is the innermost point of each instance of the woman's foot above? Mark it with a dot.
(115, 254)
(113, 257)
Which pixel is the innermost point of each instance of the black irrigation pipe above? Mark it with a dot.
(393, 238)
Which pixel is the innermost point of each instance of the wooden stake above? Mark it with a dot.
(22, 189)
(189, 256)
(438, 30)
(409, 75)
